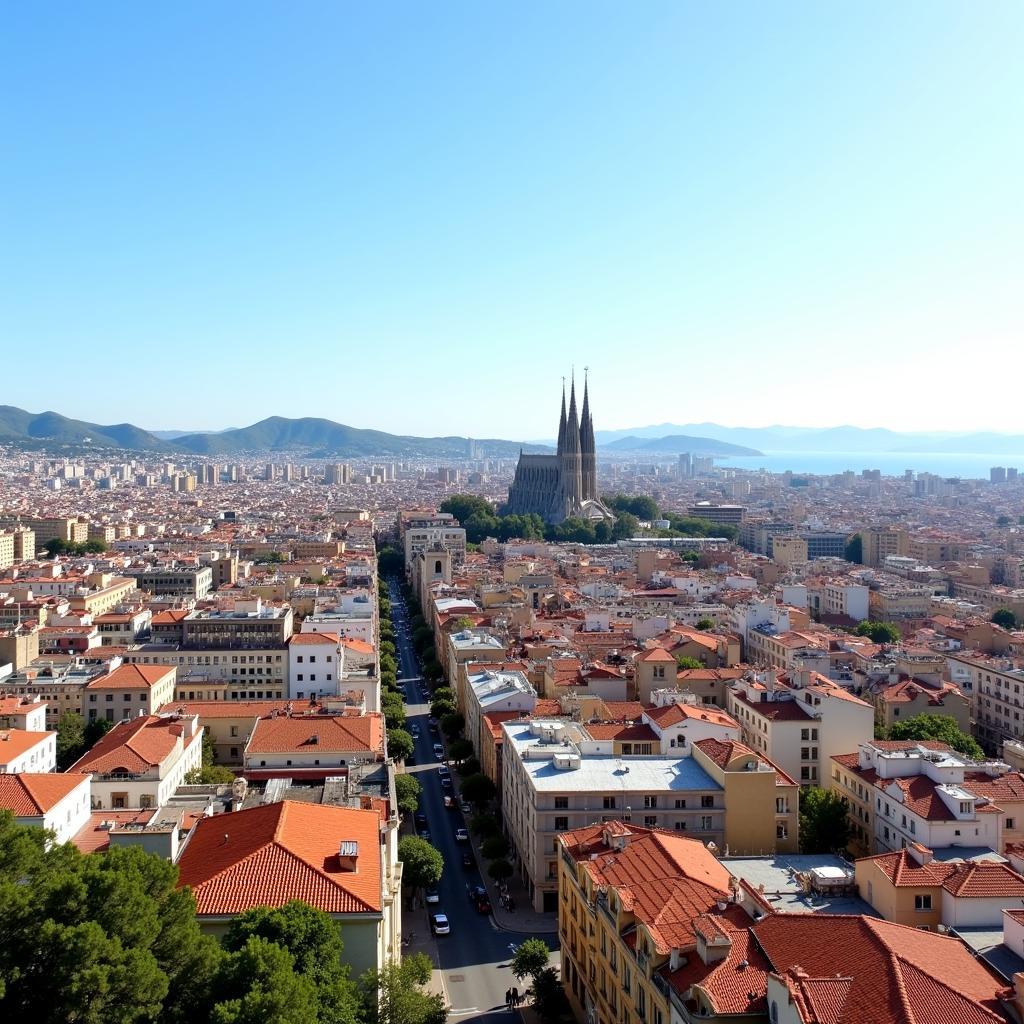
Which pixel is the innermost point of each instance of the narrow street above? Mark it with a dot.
(473, 959)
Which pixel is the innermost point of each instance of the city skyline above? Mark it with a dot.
(787, 205)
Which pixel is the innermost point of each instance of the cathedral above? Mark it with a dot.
(558, 486)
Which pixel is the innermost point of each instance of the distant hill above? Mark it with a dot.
(779, 438)
(330, 438)
(315, 438)
(676, 443)
(18, 425)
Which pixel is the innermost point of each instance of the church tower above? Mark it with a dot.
(571, 459)
(588, 450)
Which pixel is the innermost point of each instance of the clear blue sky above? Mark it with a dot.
(742, 212)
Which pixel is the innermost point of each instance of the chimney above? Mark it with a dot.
(348, 854)
(920, 854)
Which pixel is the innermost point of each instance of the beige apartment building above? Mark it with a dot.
(878, 543)
(6, 549)
(997, 693)
(105, 594)
(129, 691)
(250, 674)
(800, 721)
(892, 602)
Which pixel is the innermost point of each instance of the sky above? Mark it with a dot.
(419, 217)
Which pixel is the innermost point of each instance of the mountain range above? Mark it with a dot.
(315, 438)
(876, 440)
(673, 444)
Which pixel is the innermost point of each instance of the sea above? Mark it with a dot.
(953, 464)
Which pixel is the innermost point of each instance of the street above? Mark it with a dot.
(474, 957)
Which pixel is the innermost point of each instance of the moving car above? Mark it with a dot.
(431, 895)
(465, 808)
(443, 769)
(438, 750)
(449, 802)
(461, 835)
(467, 860)
(475, 892)
(414, 731)
(439, 924)
(419, 819)
(446, 783)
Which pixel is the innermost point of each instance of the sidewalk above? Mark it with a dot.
(417, 924)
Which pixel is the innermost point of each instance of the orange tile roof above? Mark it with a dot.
(14, 705)
(169, 617)
(227, 708)
(900, 975)
(672, 714)
(134, 746)
(132, 677)
(15, 742)
(334, 733)
(983, 879)
(91, 838)
(28, 794)
(268, 855)
(314, 638)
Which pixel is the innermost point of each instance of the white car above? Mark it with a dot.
(432, 895)
(461, 835)
(439, 924)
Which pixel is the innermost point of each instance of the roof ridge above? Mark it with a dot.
(312, 867)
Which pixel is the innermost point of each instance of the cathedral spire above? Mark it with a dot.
(572, 426)
(561, 422)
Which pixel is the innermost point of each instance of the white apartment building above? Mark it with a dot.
(23, 713)
(55, 801)
(996, 685)
(800, 720)
(25, 751)
(829, 597)
(489, 690)
(555, 777)
(315, 665)
(142, 762)
(428, 538)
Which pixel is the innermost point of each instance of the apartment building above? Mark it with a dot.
(25, 750)
(121, 629)
(878, 543)
(799, 721)
(315, 665)
(129, 691)
(462, 648)
(142, 761)
(219, 675)
(191, 582)
(247, 623)
(312, 746)
(54, 801)
(894, 601)
(102, 593)
(904, 792)
(996, 685)
(61, 686)
(6, 549)
(788, 650)
(555, 777)
(27, 713)
(420, 539)
(490, 690)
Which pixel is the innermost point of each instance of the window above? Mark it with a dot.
(707, 801)
(681, 805)
(650, 801)
(609, 803)
(650, 821)
(781, 832)
(299, 678)
(561, 803)
(234, 730)
(299, 659)
(680, 826)
(781, 805)
(923, 902)
(312, 658)
(1008, 823)
(561, 824)
(705, 823)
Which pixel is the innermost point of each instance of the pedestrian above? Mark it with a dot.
(515, 996)
(508, 999)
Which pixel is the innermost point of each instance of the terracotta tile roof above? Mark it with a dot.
(664, 880)
(134, 746)
(29, 794)
(983, 879)
(170, 617)
(547, 707)
(899, 975)
(710, 675)
(132, 677)
(91, 838)
(359, 646)
(624, 710)
(15, 705)
(656, 654)
(776, 710)
(622, 731)
(301, 639)
(1004, 788)
(334, 733)
(15, 742)
(268, 855)
(671, 714)
(227, 708)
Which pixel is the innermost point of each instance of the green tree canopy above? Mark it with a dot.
(259, 983)
(422, 863)
(400, 745)
(639, 506)
(452, 724)
(1005, 618)
(494, 847)
(936, 727)
(464, 506)
(530, 958)
(484, 825)
(855, 549)
(397, 994)
(685, 662)
(70, 739)
(824, 826)
(478, 789)
(500, 869)
(705, 623)
(879, 632)
(549, 1000)
(407, 792)
(460, 750)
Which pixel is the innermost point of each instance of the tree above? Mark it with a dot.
(478, 789)
(400, 745)
(396, 994)
(530, 958)
(470, 766)
(422, 864)
(407, 792)
(390, 560)
(638, 505)
(444, 693)
(549, 1000)
(705, 623)
(70, 739)
(440, 708)
(259, 983)
(484, 825)
(499, 870)
(95, 730)
(451, 725)
(824, 826)
(494, 847)
(209, 774)
(462, 506)
(421, 637)
(684, 662)
(855, 550)
(459, 750)
(936, 727)
(624, 527)
(315, 944)
(879, 632)
(393, 709)
(1005, 618)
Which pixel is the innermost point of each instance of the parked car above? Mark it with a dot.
(465, 807)
(443, 769)
(438, 750)
(431, 895)
(461, 835)
(419, 819)
(446, 783)
(414, 731)
(475, 892)
(449, 802)
(483, 904)
(424, 834)
(439, 924)
(467, 860)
